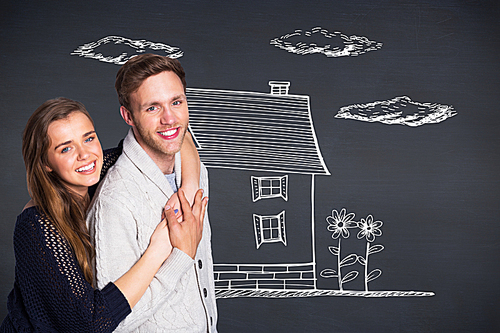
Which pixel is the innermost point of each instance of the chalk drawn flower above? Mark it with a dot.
(340, 222)
(369, 228)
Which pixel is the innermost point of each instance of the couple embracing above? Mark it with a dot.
(137, 255)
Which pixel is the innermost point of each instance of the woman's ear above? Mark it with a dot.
(48, 169)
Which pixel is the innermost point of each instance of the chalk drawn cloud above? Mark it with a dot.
(331, 44)
(399, 110)
(104, 49)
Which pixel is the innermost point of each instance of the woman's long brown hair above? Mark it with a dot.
(64, 208)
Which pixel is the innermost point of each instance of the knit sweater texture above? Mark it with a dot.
(125, 211)
(50, 292)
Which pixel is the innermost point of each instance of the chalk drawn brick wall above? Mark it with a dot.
(264, 276)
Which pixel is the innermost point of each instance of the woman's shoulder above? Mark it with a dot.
(28, 219)
(30, 204)
(29, 211)
(34, 232)
(32, 221)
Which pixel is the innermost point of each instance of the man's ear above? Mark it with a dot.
(126, 115)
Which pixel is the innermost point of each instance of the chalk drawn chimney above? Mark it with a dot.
(279, 87)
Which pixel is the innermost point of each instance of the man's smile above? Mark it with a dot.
(169, 134)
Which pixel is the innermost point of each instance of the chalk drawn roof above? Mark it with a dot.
(254, 131)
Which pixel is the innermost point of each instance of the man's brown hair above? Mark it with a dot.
(133, 73)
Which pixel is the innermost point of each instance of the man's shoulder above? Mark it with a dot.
(121, 176)
(117, 192)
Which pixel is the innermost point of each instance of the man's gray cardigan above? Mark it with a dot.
(124, 213)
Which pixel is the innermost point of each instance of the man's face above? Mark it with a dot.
(159, 115)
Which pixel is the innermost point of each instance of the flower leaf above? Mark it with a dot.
(361, 260)
(328, 273)
(373, 275)
(349, 260)
(334, 250)
(350, 276)
(375, 248)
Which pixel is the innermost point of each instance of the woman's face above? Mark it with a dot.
(75, 153)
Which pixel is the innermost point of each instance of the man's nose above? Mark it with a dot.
(167, 116)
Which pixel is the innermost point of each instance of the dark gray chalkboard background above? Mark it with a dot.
(436, 187)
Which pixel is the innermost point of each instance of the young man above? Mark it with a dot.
(130, 201)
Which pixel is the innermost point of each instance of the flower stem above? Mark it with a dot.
(366, 265)
(338, 265)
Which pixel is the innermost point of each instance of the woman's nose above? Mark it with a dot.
(82, 153)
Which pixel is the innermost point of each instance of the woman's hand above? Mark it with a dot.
(134, 283)
(174, 202)
(159, 243)
(175, 205)
(186, 235)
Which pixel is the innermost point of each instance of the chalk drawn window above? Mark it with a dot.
(269, 187)
(269, 229)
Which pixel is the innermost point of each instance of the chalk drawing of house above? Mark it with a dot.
(263, 158)
(266, 145)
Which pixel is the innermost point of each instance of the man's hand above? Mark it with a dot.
(187, 235)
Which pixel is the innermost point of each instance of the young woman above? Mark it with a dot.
(53, 287)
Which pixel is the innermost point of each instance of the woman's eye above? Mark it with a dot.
(65, 150)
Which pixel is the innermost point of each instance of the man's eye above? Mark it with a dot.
(151, 108)
(176, 103)
(89, 139)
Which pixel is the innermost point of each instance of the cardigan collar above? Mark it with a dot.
(148, 167)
